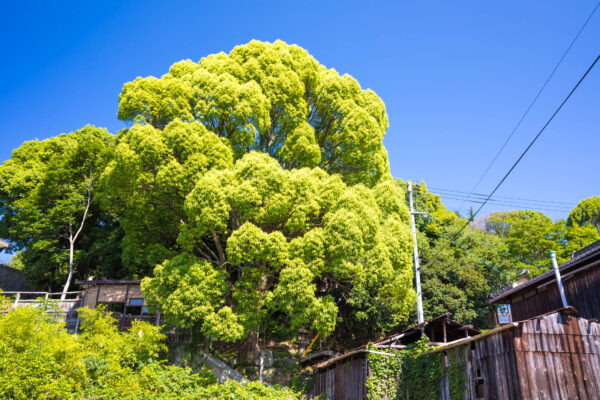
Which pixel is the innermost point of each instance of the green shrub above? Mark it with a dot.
(40, 360)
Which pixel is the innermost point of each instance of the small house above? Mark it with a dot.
(13, 280)
(581, 281)
(123, 298)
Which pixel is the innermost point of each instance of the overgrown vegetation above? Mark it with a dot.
(414, 373)
(40, 360)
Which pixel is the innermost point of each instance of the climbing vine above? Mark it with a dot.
(414, 373)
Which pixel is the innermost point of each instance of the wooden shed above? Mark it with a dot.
(344, 377)
(552, 356)
(581, 281)
(123, 298)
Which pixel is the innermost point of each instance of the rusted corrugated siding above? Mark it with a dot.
(555, 356)
(581, 291)
(343, 380)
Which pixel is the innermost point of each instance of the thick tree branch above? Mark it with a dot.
(219, 247)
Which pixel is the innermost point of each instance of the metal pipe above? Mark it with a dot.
(558, 280)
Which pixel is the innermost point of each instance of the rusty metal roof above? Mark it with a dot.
(579, 257)
(455, 330)
(564, 310)
(434, 325)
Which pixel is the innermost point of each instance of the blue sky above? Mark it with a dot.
(455, 76)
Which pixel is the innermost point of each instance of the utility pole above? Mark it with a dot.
(420, 318)
(561, 290)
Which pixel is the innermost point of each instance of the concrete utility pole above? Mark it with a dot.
(558, 279)
(420, 318)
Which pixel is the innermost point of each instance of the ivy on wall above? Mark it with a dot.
(414, 373)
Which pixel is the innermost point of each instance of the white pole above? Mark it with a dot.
(558, 280)
(420, 317)
(260, 377)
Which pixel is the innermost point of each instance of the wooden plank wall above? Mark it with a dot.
(581, 291)
(491, 364)
(559, 355)
(556, 356)
(345, 380)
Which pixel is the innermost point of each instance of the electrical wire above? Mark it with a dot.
(533, 101)
(502, 203)
(530, 206)
(502, 197)
(531, 143)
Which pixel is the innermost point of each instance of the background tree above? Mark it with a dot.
(532, 235)
(48, 207)
(459, 275)
(587, 212)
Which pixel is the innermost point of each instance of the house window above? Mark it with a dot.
(135, 306)
(113, 307)
(504, 314)
(136, 302)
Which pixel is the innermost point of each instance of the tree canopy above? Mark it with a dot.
(273, 98)
(587, 212)
(532, 235)
(258, 185)
(252, 194)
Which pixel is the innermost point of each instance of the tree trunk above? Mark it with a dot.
(73, 238)
(71, 249)
(252, 347)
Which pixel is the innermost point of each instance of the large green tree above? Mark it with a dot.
(258, 182)
(49, 207)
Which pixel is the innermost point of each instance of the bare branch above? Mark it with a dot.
(87, 207)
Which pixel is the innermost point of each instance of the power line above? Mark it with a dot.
(505, 203)
(503, 197)
(517, 204)
(530, 145)
(536, 137)
(533, 101)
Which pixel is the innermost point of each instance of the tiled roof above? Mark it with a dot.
(578, 256)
